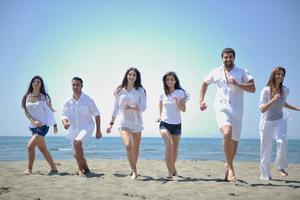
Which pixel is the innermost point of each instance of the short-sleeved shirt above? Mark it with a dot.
(229, 98)
(275, 112)
(129, 118)
(170, 112)
(80, 114)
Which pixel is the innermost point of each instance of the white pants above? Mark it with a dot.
(267, 131)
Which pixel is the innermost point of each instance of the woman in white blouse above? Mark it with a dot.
(130, 102)
(171, 103)
(36, 104)
(272, 122)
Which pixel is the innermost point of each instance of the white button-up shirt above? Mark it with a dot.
(229, 98)
(129, 118)
(80, 115)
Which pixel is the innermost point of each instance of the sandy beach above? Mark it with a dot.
(110, 179)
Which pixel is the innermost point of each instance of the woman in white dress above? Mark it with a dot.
(130, 102)
(36, 104)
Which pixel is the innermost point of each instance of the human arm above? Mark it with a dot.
(249, 86)
(64, 117)
(111, 123)
(160, 107)
(291, 107)
(98, 127)
(203, 89)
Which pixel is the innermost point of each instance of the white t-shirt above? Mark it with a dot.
(229, 98)
(170, 112)
(80, 115)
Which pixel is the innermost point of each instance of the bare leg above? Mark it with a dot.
(79, 157)
(175, 139)
(229, 151)
(86, 168)
(136, 140)
(169, 151)
(127, 140)
(43, 148)
(31, 154)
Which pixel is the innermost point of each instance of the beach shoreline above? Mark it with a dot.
(110, 179)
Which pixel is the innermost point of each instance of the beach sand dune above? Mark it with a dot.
(110, 179)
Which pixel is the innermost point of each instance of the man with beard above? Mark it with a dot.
(230, 82)
(77, 117)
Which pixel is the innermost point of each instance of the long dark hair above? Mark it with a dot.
(272, 80)
(30, 89)
(137, 83)
(176, 86)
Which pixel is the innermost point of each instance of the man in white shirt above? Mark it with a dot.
(230, 82)
(77, 117)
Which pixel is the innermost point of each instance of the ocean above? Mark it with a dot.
(14, 148)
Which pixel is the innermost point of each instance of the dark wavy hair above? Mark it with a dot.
(272, 80)
(176, 86)
(30, 89)
(137, 83)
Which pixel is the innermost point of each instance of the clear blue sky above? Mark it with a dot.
(99, 40)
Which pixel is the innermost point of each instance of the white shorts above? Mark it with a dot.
(82, 136)
(226, 119)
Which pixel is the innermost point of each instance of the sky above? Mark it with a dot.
(99, 40)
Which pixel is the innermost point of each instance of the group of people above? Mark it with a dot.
(80, 114)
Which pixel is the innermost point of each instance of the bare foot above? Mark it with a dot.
(86, 171)
(226, 174)
(134, 175)
(52, 172)
(283, 173)
(170, 175)
(231, 175)
(81, 174)
(175, 173)
(27, 172)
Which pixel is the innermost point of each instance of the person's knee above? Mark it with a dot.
(128, 146)
(227, 135)
(30, 147)
(169, 147)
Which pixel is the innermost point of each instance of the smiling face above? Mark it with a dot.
(170, 81)
(228, 60)
(131, 77)
(279, 76)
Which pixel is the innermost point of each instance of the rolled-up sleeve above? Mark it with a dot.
(247, 76)
(209, 78)
(93, 108)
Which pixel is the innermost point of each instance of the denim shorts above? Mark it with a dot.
(174, 129)
(42, 131)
